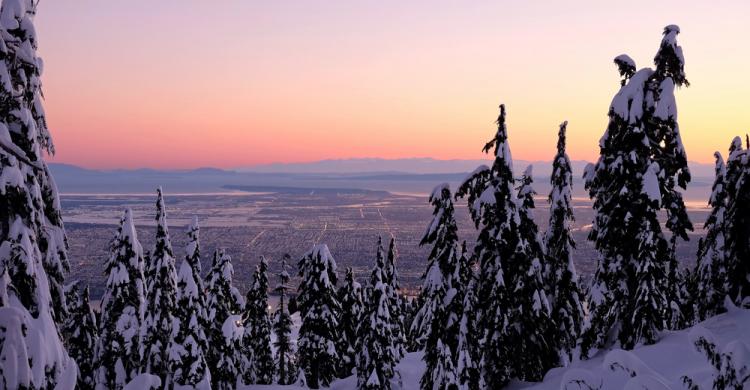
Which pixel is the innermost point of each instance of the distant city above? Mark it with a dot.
(253, 214)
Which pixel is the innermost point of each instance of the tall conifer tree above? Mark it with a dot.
(188, 345)
(393, 287)
(737, 236)
(318, 355)
(641, 165)
(377, 355)
(81, 334)
(224, 332)
(161, 298)
(282, 328)
(33, 246)
(118, 351)
(437, 321)
(492, 206)
(257, 323)
(350, 297)
(531, 340)
(561, 277)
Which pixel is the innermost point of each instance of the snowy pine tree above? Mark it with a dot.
(467, 349)
(118, 351)
(711, 270)
(663, 133)
(437, 321)
(350, 297)
(33, 247)
(81, 334)
(492, 207)
(377, 355)
(393, 287)
(531, 341)
(562, 280)
(227, 373)
(282, 328)
(257, 322)
(188, 344)
(642, 163)
(162, 295)
(319, 308)
(737, 235)
(224, 331)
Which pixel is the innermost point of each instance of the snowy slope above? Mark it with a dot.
(656, 367)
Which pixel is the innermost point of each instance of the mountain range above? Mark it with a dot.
(410, 175)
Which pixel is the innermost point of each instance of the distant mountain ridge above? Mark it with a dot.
(414, 176)
(424, 165)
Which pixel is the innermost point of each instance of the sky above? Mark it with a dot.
(235, 83)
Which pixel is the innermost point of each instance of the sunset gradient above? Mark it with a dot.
(185, 84)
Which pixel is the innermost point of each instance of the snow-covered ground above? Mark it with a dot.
(655, 367)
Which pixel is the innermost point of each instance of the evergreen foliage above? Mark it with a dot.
(81, 334)
(188, 344)
(33, 245)
(377, 353)
(492, 207)
(737, 235)
(641, 166)
(224, 331)
(162, 295)
(531, 339)
(562, 281)
(282, 328)
(437, 321)
(257, 322)
(350, 297)
(118, 351)
(318, 355)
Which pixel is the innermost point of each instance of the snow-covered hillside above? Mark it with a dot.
(655, 367)
(659, 366)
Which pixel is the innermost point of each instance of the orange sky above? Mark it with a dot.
(182, 84)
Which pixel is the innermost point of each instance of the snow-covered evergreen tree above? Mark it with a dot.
(227, 373)
(118, 351)
(258, 366)
(467, 349)
(319, 308)
(161, 298)
(376, 356)
(350, 297)
(712, 267)
(561, 278)
(531, 340)
(188, 344)
(492, 206)
(282, 328)
(737, 235)
(393, 287)
(33, 247)
(81, 334)
(224, 332)
(442, 233)
(437, 321)
(663, 133)
(642, 163)
(731, 366)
